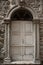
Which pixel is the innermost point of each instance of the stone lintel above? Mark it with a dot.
(36, 21)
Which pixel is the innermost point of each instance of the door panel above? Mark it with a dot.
(28, 27)
(30, 50)
(16, 40)
(29, 40)
(22, 44)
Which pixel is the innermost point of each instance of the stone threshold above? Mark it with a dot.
(22, 63)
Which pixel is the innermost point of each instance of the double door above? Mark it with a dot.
(22, 41)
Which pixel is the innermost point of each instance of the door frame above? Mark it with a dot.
(33, 25)
(7, 21)
(36, 41)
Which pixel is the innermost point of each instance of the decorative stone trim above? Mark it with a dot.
(7, 21)
(7, 43)
(36, 21)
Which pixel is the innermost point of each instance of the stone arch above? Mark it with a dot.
(7, 26)
(15, 8)
(21, 14)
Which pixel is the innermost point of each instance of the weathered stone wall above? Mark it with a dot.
(36, 5)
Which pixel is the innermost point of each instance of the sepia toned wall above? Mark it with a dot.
(36, 5)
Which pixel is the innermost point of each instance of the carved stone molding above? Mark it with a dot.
(6, 21)
(34, 4)
(7, 44)
(4, 7)
(36, 21)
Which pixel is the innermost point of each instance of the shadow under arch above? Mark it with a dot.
(21, 14)
(16, 9)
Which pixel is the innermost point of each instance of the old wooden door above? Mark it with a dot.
(22, 40)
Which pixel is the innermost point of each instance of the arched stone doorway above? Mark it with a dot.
(20, 36)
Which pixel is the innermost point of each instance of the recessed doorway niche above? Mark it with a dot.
(21, 35)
